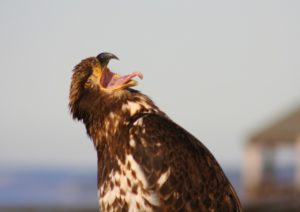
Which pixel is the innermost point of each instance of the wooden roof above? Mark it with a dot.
(285, 130)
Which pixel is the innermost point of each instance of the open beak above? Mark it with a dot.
(112, 81)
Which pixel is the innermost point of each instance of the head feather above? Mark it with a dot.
(81, 73)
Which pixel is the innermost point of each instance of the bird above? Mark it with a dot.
(146, 162)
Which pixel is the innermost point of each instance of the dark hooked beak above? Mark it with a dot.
(105, 57)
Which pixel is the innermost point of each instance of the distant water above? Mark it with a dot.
(48, 187)
(70, 188)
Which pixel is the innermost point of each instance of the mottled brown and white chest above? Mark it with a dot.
(127, 188)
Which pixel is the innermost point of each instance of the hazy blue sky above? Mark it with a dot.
(221, 69)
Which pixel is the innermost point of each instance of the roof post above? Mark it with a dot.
(253, 168)
(297, 163)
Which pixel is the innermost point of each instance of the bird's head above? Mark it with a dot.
(92, 77)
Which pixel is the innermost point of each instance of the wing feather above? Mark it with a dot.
(195, 180)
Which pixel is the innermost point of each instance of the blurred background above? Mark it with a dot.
(227, 71)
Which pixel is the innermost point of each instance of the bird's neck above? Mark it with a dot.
(105, 128)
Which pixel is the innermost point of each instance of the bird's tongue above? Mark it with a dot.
(115, 80)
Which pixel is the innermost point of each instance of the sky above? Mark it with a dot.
(220, 69)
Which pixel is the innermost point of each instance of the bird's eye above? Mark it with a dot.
(88, 83)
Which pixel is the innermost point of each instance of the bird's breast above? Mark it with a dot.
(127, 187)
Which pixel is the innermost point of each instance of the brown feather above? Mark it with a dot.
(180, 172)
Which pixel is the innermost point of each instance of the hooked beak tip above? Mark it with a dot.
(105, 57)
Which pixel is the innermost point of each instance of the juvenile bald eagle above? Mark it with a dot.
(146, 162)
